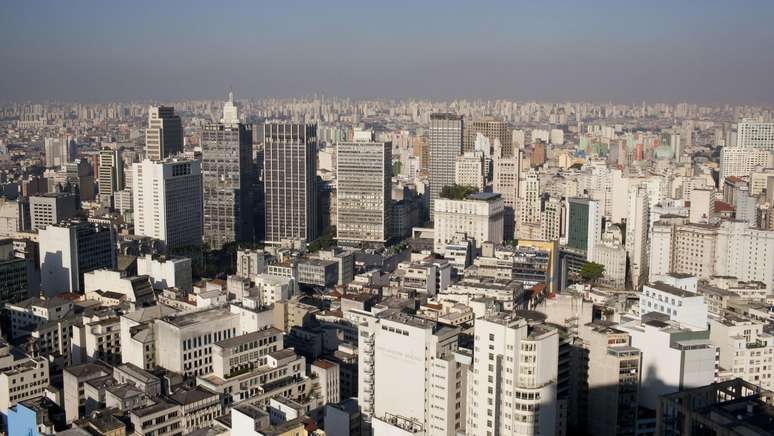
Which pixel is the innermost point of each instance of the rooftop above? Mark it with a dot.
(194, 318)
(249, 337)
(153, 409)
(669, 289)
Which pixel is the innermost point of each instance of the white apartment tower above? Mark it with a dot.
(513, 381)
(423, 356)
(364, 191)
(167, 198)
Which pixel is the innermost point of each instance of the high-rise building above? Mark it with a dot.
(228, 176)
(13, 274)
(432, 372)
(58, 151)
(755, 133)
(52, 207)
(290, 184)
(505, 181)
(493, 130)
(469, 170)
(110, 174)
(70, 249)
(479, 217)
(364, 192)
(529, 203)
(740, 162)
(637, 221)
(584, 225)
(167, 198)
(551, 221)
(676, 358)
(445, 145)
(164, 134)
(513, 381)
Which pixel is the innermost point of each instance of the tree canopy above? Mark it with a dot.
(457, 192)
(592, 271)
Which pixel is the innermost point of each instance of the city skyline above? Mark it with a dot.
(691, 51)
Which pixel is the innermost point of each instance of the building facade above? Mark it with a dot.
(290, 184)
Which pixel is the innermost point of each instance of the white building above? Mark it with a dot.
(746, 350)
(328, 379)
(70, 249)
(673, 358)
(184, 342)
(513, 378)
(21, 377)
(478, 217)
(174, 272)
(167, 198)
(755, 133)
(137, 289)
(740, 162)
(684, 307)
(271, 288)
(251, 262)
(422, 355)
(469, 170)
(702, 209)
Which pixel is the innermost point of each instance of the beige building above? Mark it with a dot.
(613, 380)
(478, 217)
(746, 350)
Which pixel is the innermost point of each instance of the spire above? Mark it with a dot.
(230, 112)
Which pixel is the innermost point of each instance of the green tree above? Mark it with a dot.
(396, 166)
(591, 272)
(457, 192)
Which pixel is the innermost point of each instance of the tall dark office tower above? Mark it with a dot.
(164, 135)
(445, 145)
(228, 175)
(290, 184)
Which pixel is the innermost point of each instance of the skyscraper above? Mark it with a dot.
(58, 151)
(110, 174)
(364, 193)
(164, 135)
(228, 175)
(290, 184)
(167, 197)
(445, 145)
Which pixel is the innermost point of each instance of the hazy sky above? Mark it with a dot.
(626, 51)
